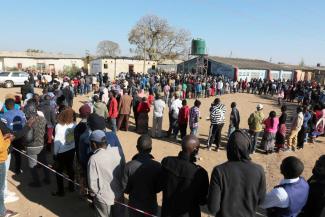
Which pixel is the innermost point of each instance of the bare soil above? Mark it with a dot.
(37, 202)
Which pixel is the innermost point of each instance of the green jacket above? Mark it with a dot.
(255, 121)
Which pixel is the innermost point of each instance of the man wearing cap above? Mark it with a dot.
(105, 173)
(255, 122)
(237, 186)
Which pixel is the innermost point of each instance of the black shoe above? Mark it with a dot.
(58, 194)
(35, 185)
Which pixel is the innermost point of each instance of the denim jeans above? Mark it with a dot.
(194, 131)
(112, 123)
(255, 136)
(2, 188)
(7, 164)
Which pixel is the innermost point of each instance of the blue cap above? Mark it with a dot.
(97, 136)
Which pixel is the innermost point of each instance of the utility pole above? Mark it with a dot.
(144, 52)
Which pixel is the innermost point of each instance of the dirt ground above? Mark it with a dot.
(39, 202)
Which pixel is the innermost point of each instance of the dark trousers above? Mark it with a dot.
(65, 162)
(16, 155)
(182, 129)
(301, 137)
(123, 117)
(215, 135)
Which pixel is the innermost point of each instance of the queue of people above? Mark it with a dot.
(47, 123)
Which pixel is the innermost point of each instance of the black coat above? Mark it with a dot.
(185, 187)
(315, 206)
(236, 189)
(141, 182)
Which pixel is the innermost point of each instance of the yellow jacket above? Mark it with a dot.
(4, 145)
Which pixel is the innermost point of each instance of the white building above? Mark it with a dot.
(43, 62)
(114, 66)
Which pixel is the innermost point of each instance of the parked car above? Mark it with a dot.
(10, 79)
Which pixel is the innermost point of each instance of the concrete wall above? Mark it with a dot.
(251, 74)
(113, 67)
(57, 64)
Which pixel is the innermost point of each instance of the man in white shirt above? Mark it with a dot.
(158, 112)
(174, 108)
(288, 198)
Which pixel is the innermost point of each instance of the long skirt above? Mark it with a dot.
(142, 123)
(268, 141)
(280, 136)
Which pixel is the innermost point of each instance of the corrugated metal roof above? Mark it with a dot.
(34, 55)
(249, 63)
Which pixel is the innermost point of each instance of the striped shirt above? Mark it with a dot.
(217, 114)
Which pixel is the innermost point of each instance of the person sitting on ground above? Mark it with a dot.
(290, 196)
(104, 175)
(315, 206)
(237, 187)
(184, 184)
(141, 179)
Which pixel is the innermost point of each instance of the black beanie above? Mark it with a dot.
(96, 122)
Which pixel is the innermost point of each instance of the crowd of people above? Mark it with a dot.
(43, 124)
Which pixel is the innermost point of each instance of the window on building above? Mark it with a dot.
(19, 65)
(105, 66)
(153, 67)
(40, 66)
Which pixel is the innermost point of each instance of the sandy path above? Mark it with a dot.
(39, 202)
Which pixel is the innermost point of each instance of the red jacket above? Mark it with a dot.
(184, 115)
(151, 98)
(143, 107)
(112, 108)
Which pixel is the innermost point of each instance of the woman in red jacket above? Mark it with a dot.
(143, 117)
(183, 117)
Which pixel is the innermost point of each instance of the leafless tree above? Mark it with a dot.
(154, 37)
(108, 48)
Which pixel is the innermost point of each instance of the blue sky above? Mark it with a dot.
(281, 30)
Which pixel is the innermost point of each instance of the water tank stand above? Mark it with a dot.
(202, 64)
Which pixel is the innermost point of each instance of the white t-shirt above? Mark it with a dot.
(175, 107)
(64, 138)
(158, 108)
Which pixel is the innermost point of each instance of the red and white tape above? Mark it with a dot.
(77, 184)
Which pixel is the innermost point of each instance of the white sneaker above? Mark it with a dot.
(10, 193)
(11, 199)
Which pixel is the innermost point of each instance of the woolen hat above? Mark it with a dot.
(96, 122)
(84, 111)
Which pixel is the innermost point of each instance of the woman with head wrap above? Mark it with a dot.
(315, 206)
(237, 186)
